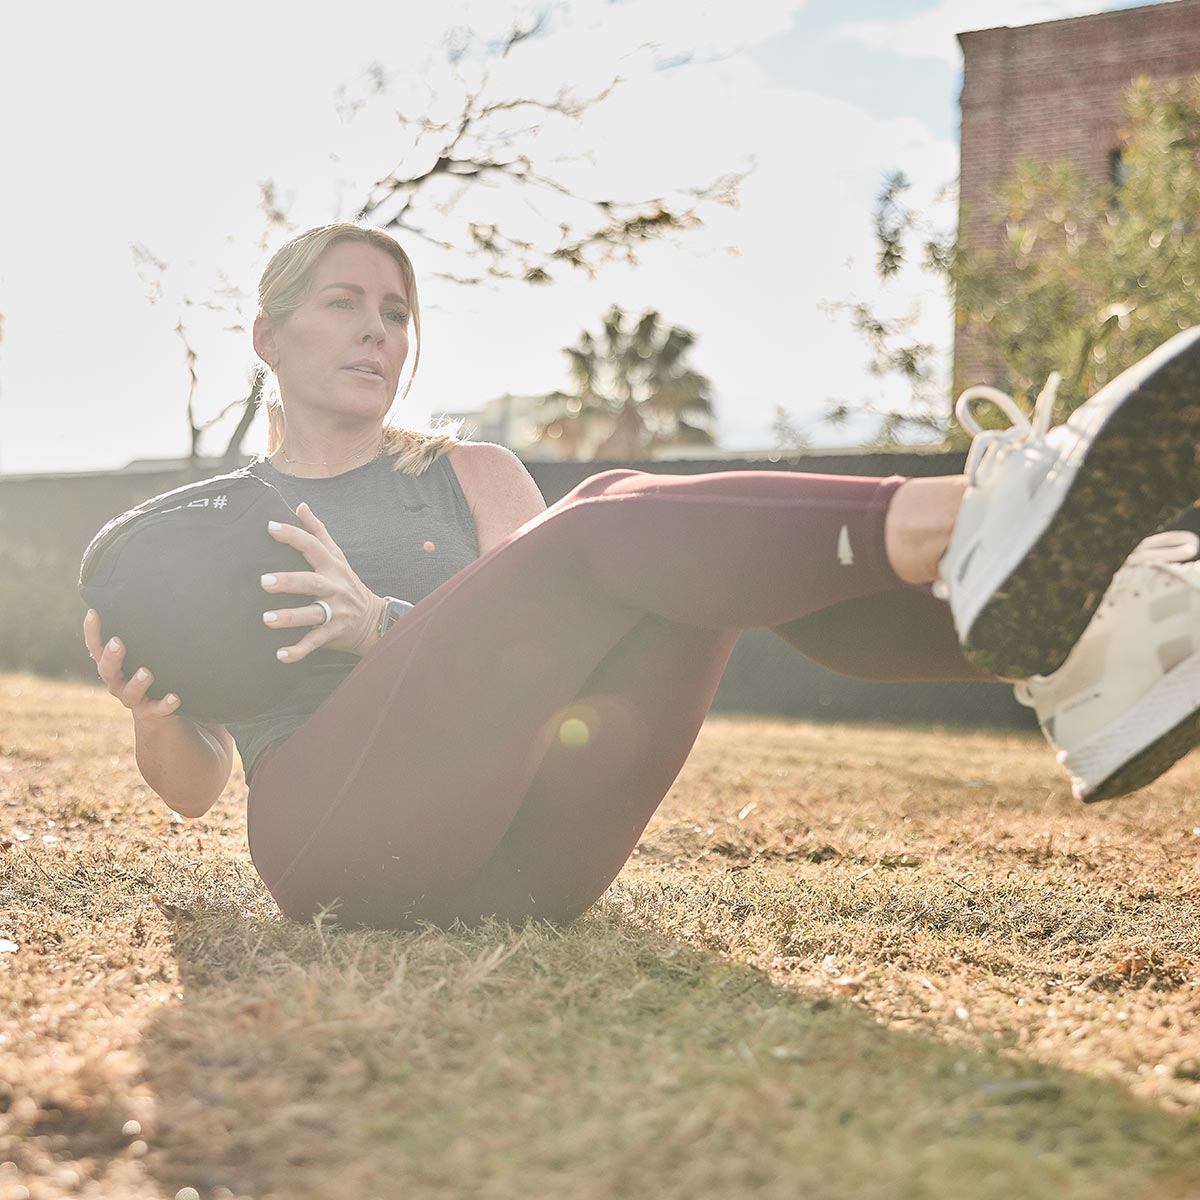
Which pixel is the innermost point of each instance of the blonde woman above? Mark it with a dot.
(498, 748)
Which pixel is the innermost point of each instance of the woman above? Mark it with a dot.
(499, 749)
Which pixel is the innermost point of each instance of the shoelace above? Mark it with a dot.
(1021, 429)
(1163, 552)
(987, 442)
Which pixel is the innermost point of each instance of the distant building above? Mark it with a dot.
(508, 420)
(1052, 92)
(512, 421)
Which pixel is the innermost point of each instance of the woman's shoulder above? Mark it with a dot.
(500, 492)
(484, 459)
(473, 449)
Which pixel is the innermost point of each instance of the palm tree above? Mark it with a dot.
(632, 393)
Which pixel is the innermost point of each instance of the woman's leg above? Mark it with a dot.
(906, 634)
(409, 776)
(902, 634)
(609, 758)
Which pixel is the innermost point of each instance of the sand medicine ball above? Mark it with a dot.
(177, 579)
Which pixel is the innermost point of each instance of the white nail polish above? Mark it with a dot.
(140, 674)
(274, 526)
(268, 581)
(281, 654)
(270, 617)
(113, 645)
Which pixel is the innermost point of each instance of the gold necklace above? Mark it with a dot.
(299, 462)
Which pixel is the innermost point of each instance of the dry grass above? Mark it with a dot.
(844, 962)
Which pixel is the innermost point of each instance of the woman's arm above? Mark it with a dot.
(501, 494)
(188, 764)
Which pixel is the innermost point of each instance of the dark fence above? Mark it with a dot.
(46, 521)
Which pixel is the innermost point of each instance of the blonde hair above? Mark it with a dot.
(285, 285)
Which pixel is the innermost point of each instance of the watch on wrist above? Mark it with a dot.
(393, 610)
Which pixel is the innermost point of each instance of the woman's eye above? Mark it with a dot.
(341, 301)
(397, 315)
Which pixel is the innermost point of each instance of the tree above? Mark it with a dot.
(632, 393)
(443, 190)
(487, 140)
(1090, 278)
(229, 303)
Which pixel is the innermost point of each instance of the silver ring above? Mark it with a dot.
(328, 611)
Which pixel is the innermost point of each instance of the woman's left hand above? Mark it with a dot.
(356, 609)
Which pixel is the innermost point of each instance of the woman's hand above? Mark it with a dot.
(356, 610)
(186, 763)
(109, 659)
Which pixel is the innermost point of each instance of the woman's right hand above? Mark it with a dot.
(109, 659)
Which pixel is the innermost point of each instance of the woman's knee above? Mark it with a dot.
(600, 483)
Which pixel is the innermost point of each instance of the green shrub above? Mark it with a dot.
(41, 614)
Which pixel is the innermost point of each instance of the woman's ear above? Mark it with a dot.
(264, 342)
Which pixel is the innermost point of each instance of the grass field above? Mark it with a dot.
(844, 962)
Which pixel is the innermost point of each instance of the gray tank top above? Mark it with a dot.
(404, 535)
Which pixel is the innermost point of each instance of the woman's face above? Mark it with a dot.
(343, 349)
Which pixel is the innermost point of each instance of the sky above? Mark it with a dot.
(134, 139)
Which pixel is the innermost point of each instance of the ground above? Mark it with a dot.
(844, 962)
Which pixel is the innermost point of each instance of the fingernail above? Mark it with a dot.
(114, 644)
(268, 581)
(274, 526)
(269, 617)
(91, 614)
(281, 654)
(171, 699)
(140, 674)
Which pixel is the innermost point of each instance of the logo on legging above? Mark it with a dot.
(844, 550)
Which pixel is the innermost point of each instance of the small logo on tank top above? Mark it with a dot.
(207, 502)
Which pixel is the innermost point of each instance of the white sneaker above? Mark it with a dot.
(1126, 703)
(1051, 513)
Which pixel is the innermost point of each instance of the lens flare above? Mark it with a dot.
(574, 733)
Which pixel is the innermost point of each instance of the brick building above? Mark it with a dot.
(1052, 92)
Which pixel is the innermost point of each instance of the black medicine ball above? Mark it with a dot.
(177, 579)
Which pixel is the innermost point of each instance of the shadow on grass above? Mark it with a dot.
(596, 1060)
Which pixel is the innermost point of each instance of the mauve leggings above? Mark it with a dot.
(503, 747)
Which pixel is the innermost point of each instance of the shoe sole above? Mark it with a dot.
(1139, 470)
(1135, 748)
(1146, 767)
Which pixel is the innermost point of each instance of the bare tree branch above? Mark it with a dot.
(618, 227)
(486, 141)
(249, 408)
(190, 360)
(522, 33)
